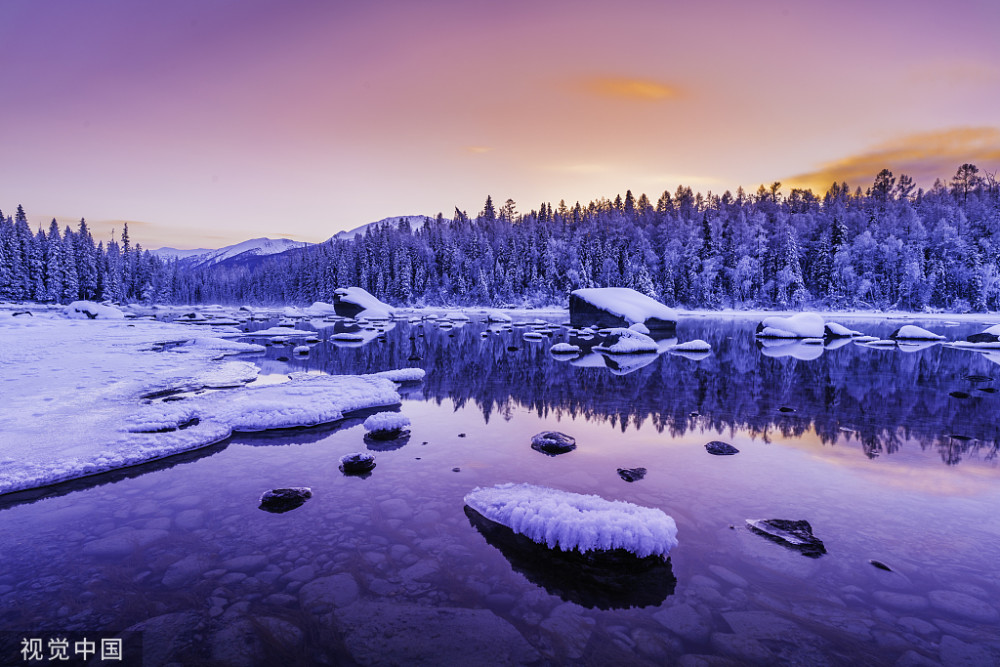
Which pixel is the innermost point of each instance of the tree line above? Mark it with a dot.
(890, 246)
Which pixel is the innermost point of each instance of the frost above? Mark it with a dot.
(571, 521)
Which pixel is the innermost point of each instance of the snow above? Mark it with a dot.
(372, 308)
(82, 412)
(629, 342)
(913, 332)
(497, 316)
(279, 331)
(626, 303)
(564, 348)
(801, 325)
(251, 248)
(457, 317)
(995, 330)
(300, 349)
(402, 374)
(640, 327)
(320, 309)
(696, 345)
(347, 336)
(386, 421)
(840, 330)
(572, 521)
(88, 310)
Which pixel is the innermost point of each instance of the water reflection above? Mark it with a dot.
(873, 398)
(616, 580)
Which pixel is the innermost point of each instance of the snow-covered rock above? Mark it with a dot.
(626, 341)
(356, 302)
(834, 330)
(618, 307)
(278, 501)
(456, 316)
(696, 345)
(320, 309)
(564, 348)
(402, 374)
(357, 463)
(571, 521)
(279, 331)
(797, 535)
(498, 316)
(88, 310)
(801, 325)
(348, 336)
(300, 350)
(913, 332)
(387, 425)
(640, 327)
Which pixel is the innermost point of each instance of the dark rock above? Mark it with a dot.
(282, 359)
(379, 443)
(552, 443)
(583, 313)
(785, 408)
(720, 448)
(880, 565)
(976, 379)
(461, 435)
(456, 470)
(631, 474)
(793, 534)
(958, 394)
(987, 390)
(278, 501)
(512, 348)
(610, 579)
(357, 464)
(22, 312)
(983, 338)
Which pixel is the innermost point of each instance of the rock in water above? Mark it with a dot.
(983, 338)
(278, 501)
(631, 474)
(358, 463)
(553, 443)
(720, 448)
(793, 534)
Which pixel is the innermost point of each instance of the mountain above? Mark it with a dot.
(246, 250)
(416, 222)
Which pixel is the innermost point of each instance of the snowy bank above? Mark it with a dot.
(572, 521)
(618, 307)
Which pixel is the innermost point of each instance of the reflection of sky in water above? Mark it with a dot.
(403, 536)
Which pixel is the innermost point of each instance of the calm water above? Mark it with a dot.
(890, 455)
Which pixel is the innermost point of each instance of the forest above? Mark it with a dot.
(891, 246)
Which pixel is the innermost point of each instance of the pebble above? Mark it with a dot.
(395, 508)
(901, 601)
(963, 605)
(326, 593)
(685, 622)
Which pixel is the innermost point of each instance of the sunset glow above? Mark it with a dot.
(206, 123)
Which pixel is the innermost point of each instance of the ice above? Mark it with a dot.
(387, 421)
(371, 308)
(572, 521)
(626, 303)
(629, 342)
(88, 310)
(83, 411)
(801, 325)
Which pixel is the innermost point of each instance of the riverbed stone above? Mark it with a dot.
(956, 653)
(167, 638)
(395, 508)
(240, 643)
(190, 519)
(386, 633)
(685, 622)
(901, 601)
(326, 593)
(568, 631)
(246, 564)
(719, 448)
(123, 543)
(185, 571)
(913, 659)
(963, 605)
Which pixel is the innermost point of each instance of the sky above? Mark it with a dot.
(203, 123)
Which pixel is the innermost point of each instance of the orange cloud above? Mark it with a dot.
(630, 89)
(924, 157)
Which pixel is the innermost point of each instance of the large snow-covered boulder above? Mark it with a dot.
(913, 332)
(88, 310)
(572, 521)
(619, 307)
(356, 302)
(802, 325)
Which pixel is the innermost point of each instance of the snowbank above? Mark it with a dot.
(571, 521)
(802, 325)
(88, 310)
(626, 341)
(617, 306)
(356, 302)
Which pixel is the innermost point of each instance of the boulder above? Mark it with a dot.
(792, 534)
(720, 448)
(619, 307)
(631, 474)
(278, 501)
(983, 338)
(552, 443)
(357, 464)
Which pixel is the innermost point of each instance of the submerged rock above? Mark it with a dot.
(631, 474)
(983, 338)
(793, 534)
(553, 443)
(278, 501)
(720, 448)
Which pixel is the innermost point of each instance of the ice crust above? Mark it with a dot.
(633, 306)
(82, 412)
(568, 521)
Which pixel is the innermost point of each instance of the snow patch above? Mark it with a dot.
(802, 325)
(88, 310)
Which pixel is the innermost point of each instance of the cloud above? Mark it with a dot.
(925, 157)
(630, 89)
(477, 150)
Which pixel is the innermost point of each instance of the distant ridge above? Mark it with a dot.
(416, 222)
(245, 250)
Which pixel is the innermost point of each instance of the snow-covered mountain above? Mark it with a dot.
(246, 249)
(416, 222)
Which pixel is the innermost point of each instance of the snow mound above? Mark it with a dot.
(802, 325)
(88, 310)
(497, 316)
(627, 342)
(457, 317)
(572, 521)
(402, 374)
(564, 348)
(357, 302)
(913, 332)
(640, 327)
(834, 330)
(384, 422)
(621, 302)
(320, 309)
(697, 345)
(347, 336)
